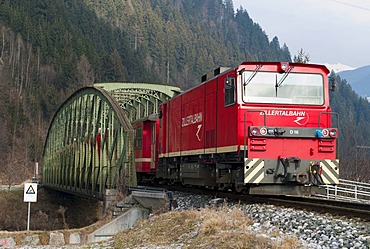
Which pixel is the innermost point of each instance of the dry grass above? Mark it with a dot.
(53, 211)
(208, 228)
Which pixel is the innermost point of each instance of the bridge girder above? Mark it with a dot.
(89, 146)
(139, 100)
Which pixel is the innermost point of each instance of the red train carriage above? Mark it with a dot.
(145, 146)
(261, 127)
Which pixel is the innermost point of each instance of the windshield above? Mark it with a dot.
(296, 88)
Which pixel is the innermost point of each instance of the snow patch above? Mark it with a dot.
(338, 67)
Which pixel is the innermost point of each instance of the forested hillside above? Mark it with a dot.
(48, 49)
(354, 131)
(51, 48)
(181, 40)
(359, 79)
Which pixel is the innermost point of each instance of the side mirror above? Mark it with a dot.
(332, 84)
(227, 83)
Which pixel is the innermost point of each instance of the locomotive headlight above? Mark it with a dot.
(325, 132)
(263, 131)
(284, 66)
(333, 133)
(254, 131)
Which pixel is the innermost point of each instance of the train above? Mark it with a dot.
(261, 128)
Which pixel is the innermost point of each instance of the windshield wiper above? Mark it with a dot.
(258, 67)
(278, 84)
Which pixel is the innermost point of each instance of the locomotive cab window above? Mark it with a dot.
(277, 88)
(230, 91)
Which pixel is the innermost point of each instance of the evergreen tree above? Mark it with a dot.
(49, 49)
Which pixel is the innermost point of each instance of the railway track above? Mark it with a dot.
(320, 205)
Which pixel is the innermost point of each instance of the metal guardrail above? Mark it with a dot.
(347, 190)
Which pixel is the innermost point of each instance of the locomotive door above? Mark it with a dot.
(153, 149)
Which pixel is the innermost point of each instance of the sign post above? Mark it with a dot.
(30, 195)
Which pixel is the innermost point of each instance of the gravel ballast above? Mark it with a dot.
(315, 230)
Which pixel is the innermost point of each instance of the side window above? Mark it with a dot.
(138, 137)
(230, 91)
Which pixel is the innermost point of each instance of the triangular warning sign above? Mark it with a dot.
(30, 190)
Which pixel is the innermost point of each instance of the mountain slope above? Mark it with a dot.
(338, 67)
(50, 48)
(354, 119)
(182, 40)
(359, 79)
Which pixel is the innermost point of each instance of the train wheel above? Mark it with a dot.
(241, 189)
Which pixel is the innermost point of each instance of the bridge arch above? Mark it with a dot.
(89, 145)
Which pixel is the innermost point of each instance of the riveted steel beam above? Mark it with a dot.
(140, 100)
(89, 146)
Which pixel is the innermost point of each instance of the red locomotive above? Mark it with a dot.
(261, 128)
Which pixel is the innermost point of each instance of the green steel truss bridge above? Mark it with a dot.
(89, 145)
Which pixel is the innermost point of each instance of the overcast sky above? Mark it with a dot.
(330, 31)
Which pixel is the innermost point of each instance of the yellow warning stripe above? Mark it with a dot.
(259, 179)
(328, 168)
(253, 170)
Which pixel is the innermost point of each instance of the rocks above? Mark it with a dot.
(186, 201)
(316, 231)
(31, 240)
(7, 243)
(75, 238)
(56, 239)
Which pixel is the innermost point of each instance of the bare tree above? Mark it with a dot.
(3, 30)
(302, 57)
